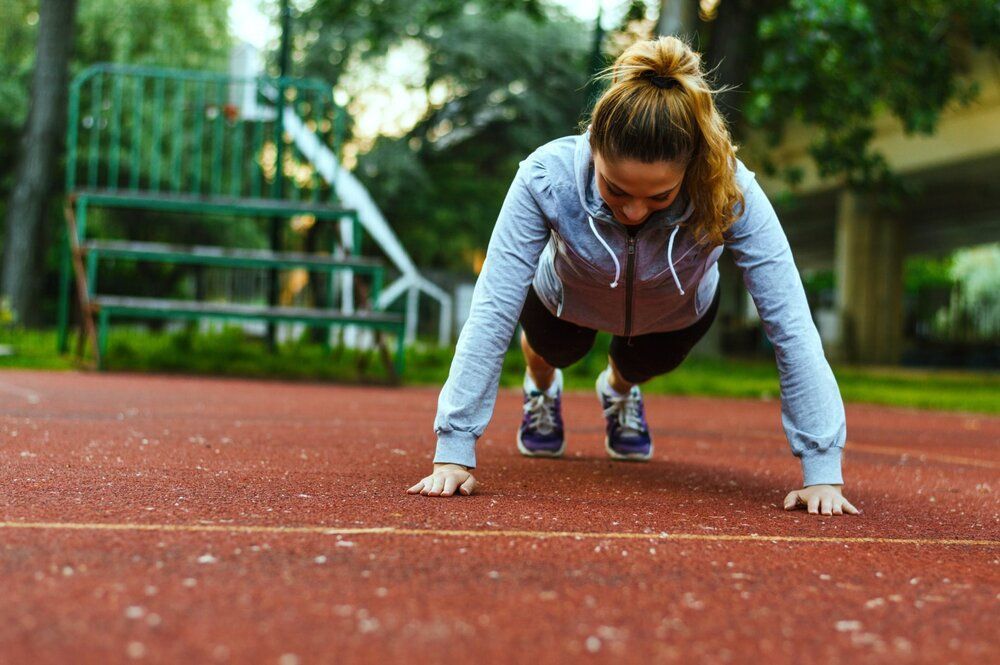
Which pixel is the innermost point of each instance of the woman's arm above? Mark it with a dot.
(812, 411)
(466, 402)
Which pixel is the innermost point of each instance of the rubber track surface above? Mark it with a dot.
(165, 519)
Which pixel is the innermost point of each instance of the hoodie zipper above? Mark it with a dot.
(629, 278)
(629, 282)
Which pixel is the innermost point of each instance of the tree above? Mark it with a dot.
(730, 54)
(497, 83)
(187, 34)
(39, 151)
(329, 35)
(178, 33)
(677, 17)
(837, 64)
(17, 54)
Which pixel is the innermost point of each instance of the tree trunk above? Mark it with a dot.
(729, 55)
(678, 18)
(40, 143)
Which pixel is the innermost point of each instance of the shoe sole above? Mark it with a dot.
(540, 453)
(612, 453)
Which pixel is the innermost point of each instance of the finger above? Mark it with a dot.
(791, 501)
(849, 507)
(437, 487)
(837, 510)
(450, 483)
(428, 483)
(813, 505)
(416, 488)
(826, 505)
(469, 486)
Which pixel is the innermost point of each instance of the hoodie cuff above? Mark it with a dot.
(822, 467)
(456, 448)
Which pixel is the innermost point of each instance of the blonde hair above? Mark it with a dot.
(660, 107)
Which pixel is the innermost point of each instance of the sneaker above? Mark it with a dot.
(541, 431)
(628, 435)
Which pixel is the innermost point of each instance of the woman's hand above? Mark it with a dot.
(445, 480)
(825, 499)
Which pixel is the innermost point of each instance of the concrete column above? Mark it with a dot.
(869, 265)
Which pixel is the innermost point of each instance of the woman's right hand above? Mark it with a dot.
(445, 480)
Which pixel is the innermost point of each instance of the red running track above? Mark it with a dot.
(161, 519)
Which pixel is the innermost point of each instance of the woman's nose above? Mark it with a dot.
(634, 212)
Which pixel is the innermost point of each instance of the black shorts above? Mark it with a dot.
(638, 358)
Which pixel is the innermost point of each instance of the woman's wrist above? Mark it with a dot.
(440, 464)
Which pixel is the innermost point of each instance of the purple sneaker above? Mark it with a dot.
(628, 435)
(541, 432)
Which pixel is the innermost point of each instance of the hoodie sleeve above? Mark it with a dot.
(812, 411)
(466, 402)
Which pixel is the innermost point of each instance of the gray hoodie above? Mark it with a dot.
(555, 231)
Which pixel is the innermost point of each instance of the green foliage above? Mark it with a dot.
(17, 40)
(181, 33)
(973, 313)
(7, 315)
(230, 352)
(836, 64)
(512, 82)
(328, 34)
(190, 34)
(922, 272)
(30, 349)
(818, 280)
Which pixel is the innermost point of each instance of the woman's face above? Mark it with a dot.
(634, 189)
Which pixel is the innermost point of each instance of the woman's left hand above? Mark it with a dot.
(825, 499)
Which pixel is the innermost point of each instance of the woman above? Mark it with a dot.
(620, 230)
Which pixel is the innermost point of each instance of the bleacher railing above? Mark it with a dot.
(164, 131)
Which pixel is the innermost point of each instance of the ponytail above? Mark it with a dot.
(660, 107)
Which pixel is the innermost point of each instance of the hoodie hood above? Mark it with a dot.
(590, 197)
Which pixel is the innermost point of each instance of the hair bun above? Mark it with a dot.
(660, 81)
(665, 82)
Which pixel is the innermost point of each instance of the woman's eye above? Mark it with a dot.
(660, 199)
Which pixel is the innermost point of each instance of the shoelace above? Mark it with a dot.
(541, 413)
(626, 409)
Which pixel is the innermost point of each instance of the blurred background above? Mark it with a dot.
(873, 125)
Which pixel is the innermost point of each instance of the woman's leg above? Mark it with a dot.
(549, 342)
(616, 380)
(540, 371)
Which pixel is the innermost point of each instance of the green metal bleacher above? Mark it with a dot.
(197, 143)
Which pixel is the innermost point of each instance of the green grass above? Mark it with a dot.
(31, 349)
(231, 353)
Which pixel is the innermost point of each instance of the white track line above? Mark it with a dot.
(495, 533)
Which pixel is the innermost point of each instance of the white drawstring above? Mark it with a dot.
(618, 266)
(670, 258)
